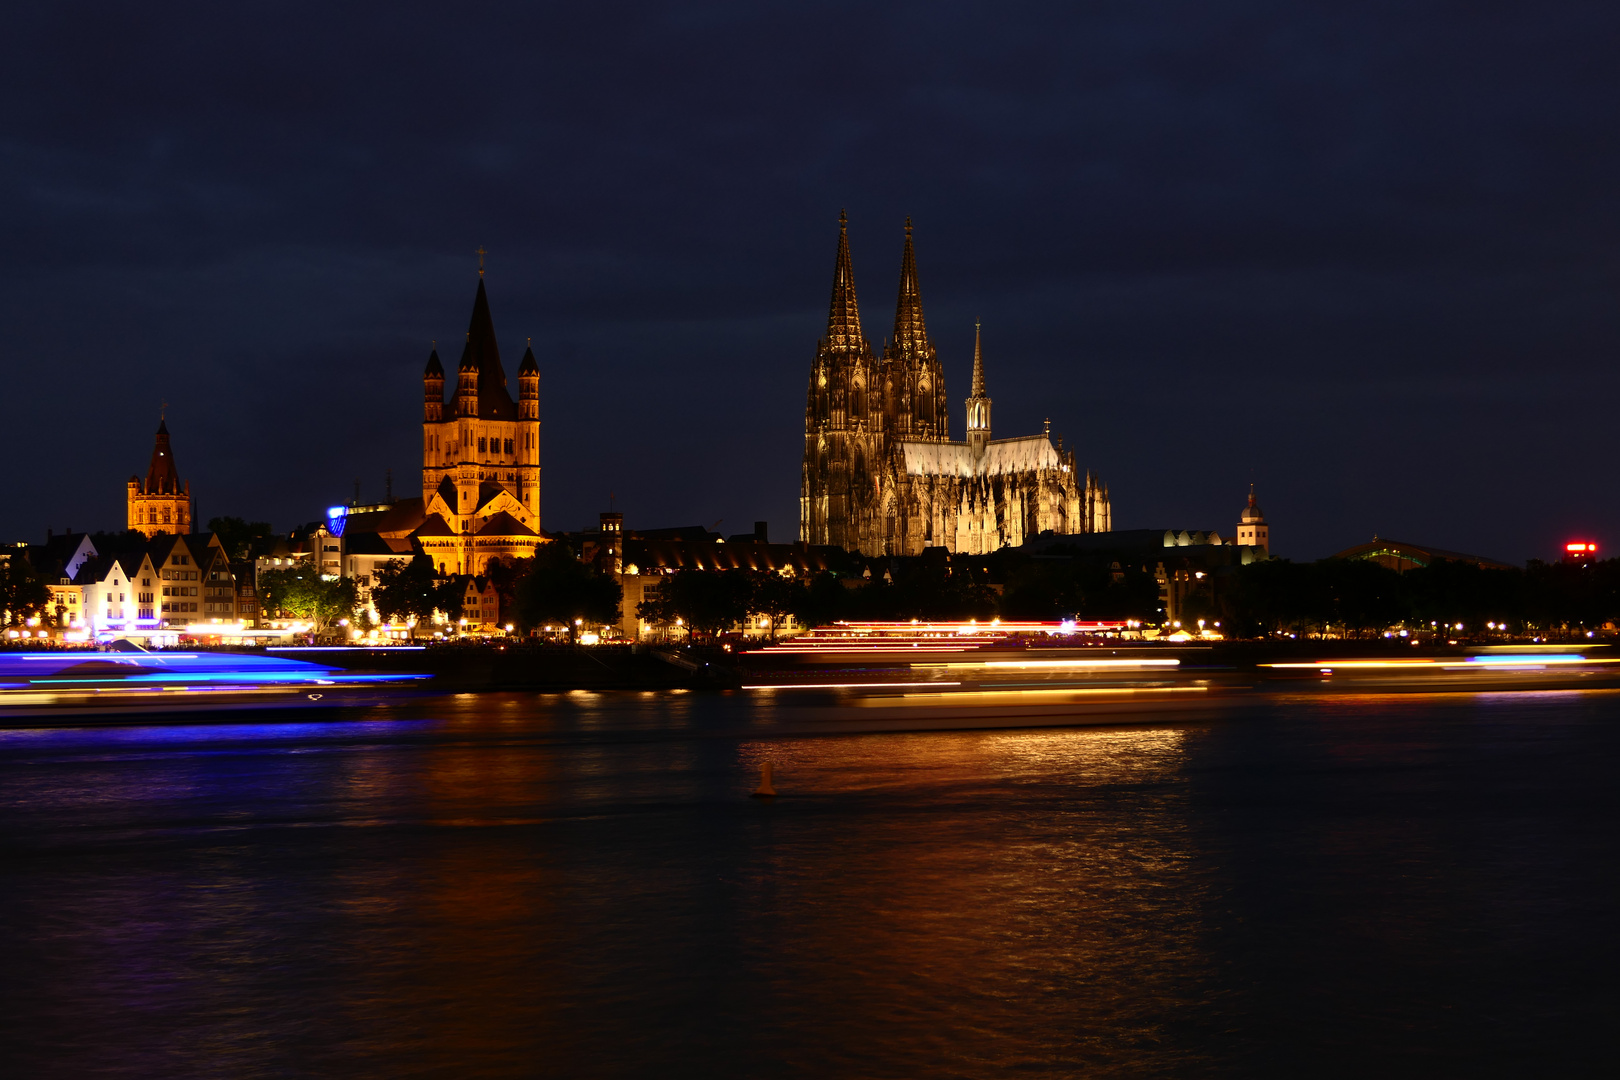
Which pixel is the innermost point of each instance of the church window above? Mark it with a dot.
(481, 444)
(509, 446)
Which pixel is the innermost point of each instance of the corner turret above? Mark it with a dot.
(433, 389)
(529, 386)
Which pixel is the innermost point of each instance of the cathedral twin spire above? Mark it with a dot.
(908, 385)
(910, 332)
(844, 316)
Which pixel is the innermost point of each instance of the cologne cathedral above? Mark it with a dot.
(881, 473)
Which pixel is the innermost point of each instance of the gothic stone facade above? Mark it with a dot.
(881, 474)
(480, 455)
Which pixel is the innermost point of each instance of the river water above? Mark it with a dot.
(579, 886)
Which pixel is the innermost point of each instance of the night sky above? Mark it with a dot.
(1368, 258)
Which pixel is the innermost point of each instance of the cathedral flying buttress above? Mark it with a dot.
(881, 474)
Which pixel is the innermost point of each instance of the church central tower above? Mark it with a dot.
(161, 503)
(480, 454)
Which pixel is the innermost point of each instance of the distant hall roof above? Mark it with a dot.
(1394, 553)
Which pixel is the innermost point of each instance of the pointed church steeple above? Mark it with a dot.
(978, 403)
(161, 476)
(844, 315)
(910, 332)
(914, 383)
(978, 365)
(160, 503)
(481, 389)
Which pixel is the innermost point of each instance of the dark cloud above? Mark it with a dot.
(1364, 255)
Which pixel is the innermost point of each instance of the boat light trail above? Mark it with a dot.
(1061, 665)
(1455, 665)
(843, 686)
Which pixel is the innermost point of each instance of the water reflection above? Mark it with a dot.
(527, 885)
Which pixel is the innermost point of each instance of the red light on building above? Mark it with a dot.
(1580, 551)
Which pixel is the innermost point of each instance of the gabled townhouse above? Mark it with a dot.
(180, 565)
(480, 605)
(110, 591)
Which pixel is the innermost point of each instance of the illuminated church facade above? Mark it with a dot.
(480, 455)
(881, 474)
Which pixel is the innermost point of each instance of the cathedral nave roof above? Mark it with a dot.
(1001, 457)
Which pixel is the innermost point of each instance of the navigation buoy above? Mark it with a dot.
(766, 791)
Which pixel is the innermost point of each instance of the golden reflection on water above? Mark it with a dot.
(965, 920)
(489, 902)
(538, 885)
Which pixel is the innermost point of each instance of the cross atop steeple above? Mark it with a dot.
(481, 253)
(910, 333)
(844, 314)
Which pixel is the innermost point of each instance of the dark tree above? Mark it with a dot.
(240, 538)
(415, 590)
(1090, 586)
(112, 543)
(709, 602)
(821, 601)
(559, 589)
(507, 575)
(23, 591)
(773, 596)
(303, 593)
